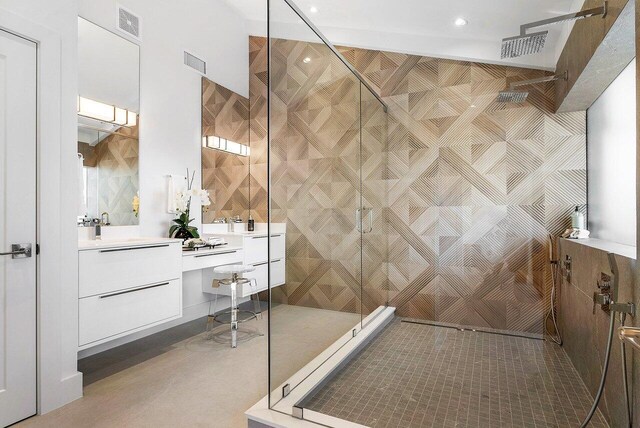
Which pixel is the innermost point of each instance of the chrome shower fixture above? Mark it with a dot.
(514, 96)
(526, 44)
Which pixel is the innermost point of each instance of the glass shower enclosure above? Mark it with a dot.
(327, 185)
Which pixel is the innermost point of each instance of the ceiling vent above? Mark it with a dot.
(128, 22)
(196, 63)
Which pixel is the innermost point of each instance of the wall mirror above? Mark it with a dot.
(226, 152)
(108, 118)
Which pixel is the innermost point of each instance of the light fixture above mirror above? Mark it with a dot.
(106, 113)
(222, 144)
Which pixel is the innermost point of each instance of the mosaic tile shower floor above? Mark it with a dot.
(418, 375)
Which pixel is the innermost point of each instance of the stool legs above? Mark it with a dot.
(234, 312)
(256, 305)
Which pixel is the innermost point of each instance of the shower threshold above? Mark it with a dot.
(287, 412)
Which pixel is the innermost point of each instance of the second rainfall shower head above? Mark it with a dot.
(514, 96)
(527, 44)
(517, 97)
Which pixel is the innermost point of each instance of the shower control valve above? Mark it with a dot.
(602, 299)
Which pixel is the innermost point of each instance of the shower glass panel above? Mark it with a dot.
(314, 158)
(374, 182)
(326, 173)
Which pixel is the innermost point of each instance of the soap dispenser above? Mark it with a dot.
(251, 226)
(577, 219)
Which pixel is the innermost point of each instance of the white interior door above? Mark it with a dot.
(17, 226)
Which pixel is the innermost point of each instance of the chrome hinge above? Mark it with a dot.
(286, 390)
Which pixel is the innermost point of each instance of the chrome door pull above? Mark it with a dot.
(19, 251)
(359, 222)
(370, 221)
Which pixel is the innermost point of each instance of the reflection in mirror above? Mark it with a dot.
(225, 152)
(108, 107)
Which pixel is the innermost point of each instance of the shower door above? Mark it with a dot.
(326, 172)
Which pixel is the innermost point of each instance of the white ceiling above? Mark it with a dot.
(423, 27)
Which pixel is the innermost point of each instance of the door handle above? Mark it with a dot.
(359, 222)
(19, 251)
(370, 215)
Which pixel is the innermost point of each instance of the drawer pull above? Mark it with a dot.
(134, 290)
(258, 237)
(113, 250)
(215, 254)
(264, 263)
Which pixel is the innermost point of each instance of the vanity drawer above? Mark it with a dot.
(112, 269)
(203, 261)
(111, 314)
(255, 248)
(261, 274)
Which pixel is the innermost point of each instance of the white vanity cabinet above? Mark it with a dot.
(255, 250)
(126, 287)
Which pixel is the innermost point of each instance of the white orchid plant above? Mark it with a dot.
(182, 205)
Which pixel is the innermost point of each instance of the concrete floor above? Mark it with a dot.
(178, 378)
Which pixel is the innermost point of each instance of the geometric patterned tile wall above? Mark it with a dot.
(473, 187)
(225, 114)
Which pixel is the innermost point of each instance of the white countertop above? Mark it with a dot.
(608, 246)
(84, 245)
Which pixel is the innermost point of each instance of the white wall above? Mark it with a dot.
(611, 147)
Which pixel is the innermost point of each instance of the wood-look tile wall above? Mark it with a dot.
(225, 114)
(474, 186)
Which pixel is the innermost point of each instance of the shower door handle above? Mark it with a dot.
(359, 222)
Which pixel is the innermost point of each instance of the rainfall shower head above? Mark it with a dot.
(514, 96)
(526, 44)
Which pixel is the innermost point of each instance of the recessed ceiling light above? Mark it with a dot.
(313, 9)
(460, 22)
(307, 60)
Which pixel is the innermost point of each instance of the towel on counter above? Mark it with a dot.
(574, 233)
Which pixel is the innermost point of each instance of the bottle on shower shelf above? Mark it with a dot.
(577, 219)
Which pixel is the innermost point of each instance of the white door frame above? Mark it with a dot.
(59, 382)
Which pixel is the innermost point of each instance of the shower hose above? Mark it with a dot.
(605, 369)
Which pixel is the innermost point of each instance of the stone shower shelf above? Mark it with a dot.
(627, 251)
